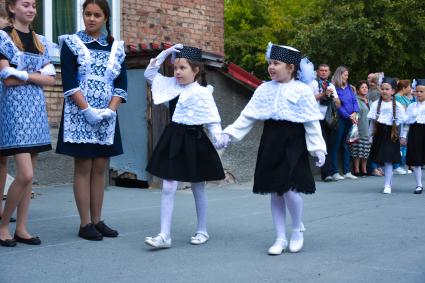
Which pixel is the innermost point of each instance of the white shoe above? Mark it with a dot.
(199, 238)
(399, 171)
(278, 247)
(296, 245)
(158, 242)
(350, 176)
(337, 177)
(387, 190)
(328, 179)
(409, 171)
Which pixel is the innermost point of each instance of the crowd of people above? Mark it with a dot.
(343, 105)
(377, 124)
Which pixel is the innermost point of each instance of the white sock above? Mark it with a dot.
(418, 175)
(388, 170)
(169, 189)
(295, 205)
(201, 205)
(278, 208)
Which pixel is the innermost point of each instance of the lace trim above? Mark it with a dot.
(121, 93)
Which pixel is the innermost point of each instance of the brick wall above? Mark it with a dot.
(192, 22)
(54, 100)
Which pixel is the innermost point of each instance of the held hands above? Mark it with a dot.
(107, 113)
(222, 141)
(164, 54)
(92, 115)
(321, 158)
(12, 72)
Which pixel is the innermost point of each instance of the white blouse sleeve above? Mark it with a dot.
(151, 71)
(313, 137)
(240, 128)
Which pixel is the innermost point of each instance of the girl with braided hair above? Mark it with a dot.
(386, 116)
(24, 130)
(95, 84)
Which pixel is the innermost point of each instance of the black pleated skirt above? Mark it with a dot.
(383, 149)
(282, 162)
(185, 153)
(416, 145)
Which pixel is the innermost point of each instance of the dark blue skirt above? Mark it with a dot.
(89, 150)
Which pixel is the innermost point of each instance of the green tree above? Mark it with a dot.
(365, 35)
(251, 24)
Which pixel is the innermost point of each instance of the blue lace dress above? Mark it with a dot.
(24, 126)
(96, 68)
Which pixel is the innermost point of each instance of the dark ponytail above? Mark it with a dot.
(394, 130)
(104, 5)
(110, 38)
(378, 112)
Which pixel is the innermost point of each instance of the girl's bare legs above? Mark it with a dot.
(3, 177)
(97, 188)
(19, 191)
(356, 162)
(82, 182)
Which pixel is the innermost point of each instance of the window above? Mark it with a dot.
(56, 17)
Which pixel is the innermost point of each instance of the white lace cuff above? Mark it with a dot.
(71, 91)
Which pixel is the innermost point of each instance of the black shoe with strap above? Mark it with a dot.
(10, 243)
(418, 190)
(105, 230)
(89, 232)
(30, 241)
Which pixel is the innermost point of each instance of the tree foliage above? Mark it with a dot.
(365, 35)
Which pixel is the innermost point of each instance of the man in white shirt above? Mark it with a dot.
(325, 92)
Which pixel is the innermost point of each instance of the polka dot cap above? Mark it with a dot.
(390, 81)
(420, 82)
(191, 53)
(285, 54)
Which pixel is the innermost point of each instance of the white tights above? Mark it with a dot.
(388, 171)
(169, 188)
(294, 202)
(418, 175)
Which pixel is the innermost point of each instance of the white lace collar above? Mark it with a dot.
(102, 40)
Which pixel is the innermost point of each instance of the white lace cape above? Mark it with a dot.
(195, 105)
(293, 101)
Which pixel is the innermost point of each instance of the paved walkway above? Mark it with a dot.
(354, 234)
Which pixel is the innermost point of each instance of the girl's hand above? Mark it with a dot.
(12, 72)
(321, 158)
(164, 54)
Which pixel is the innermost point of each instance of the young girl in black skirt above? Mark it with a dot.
(95, 84)
(386, 116)
(414, 130)
(291, 130)
(184, 152)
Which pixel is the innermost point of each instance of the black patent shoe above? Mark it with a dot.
(105, 230)
(31, 241)
(10, 243)
(89, 232)
(418, 190)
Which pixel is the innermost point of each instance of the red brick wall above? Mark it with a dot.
(192, 22)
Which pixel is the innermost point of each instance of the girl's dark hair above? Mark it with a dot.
(104, 5)
(14, 34)
(394, 130)
(3, 12)
(201, 76)
(360, 83)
